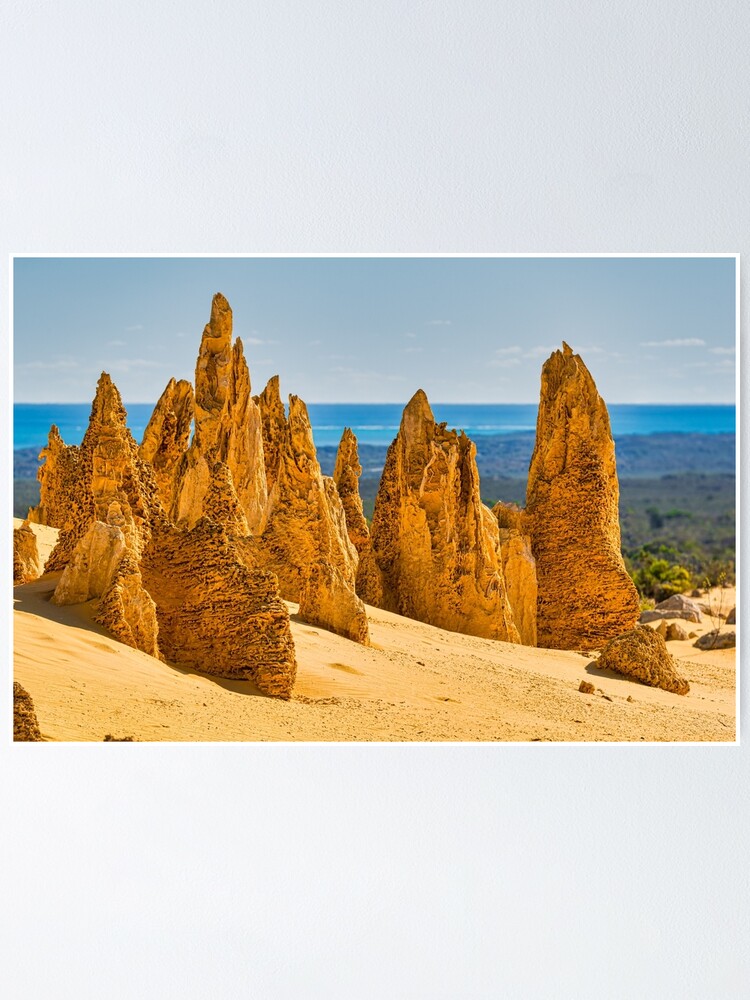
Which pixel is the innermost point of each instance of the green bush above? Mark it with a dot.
(659, 578)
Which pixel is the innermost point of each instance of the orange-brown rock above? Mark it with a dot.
(127, 610)
(221, 503)
(227, 425)
(273, 423)
(585, 596)
(641, 653)
(346, 477)
(305, 541)
(25, 724)
(434, 542)
(92, 566)
(519, 570)
(107, 470)
(216, 613)
(57, 477)
(27, 564)
(167, 437)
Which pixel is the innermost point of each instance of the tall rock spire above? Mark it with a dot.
(227, 425)
(305, 541)
(585, 595)
(434, 543)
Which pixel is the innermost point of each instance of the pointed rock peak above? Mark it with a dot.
(300, 437)
(107, 405)
(567, 350)
(217, 335)
(419, 405)
(220, 308)
(417, 422)
(347, 456)
(348, 442)
(271, 395)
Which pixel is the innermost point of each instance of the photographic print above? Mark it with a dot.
(375, 498)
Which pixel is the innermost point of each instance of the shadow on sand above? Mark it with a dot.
(35, 599)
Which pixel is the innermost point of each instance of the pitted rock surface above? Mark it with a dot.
(585, 595)
(435, 546)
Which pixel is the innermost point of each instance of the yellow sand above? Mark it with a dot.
(416, 682)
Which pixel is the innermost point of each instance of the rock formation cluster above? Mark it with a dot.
(190, 544)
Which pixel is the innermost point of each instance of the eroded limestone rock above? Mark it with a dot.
(27, 564)
(585, 595)
(166, 438)
(127, 610)
(59, 478)
(107, 469)
(273, 424)
(641, 653)
(305, 541)
(519, 570)
(227, 425)
(346, 477)
(25, 724)
(93, 565)
(221, 503)
(216, 613)
(435, 546)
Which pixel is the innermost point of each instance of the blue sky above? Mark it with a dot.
(376, 329)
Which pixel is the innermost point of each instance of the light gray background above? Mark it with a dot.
(358, 872)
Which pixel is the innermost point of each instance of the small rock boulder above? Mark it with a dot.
(732, 617)
(641, 653)
(25, 725)
(676, 631)
(661, 628)
(585, 687)
(716, 639)
(657, 615)
(678, 602)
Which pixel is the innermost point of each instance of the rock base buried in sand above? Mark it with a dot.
(642, 654)
(25, 725)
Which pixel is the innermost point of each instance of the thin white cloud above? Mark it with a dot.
(501, 351)
(314, 343)
(410, 335)
(504, 362)
(125, 365)
(677, 342)
(722, 350)
(51, 366)
(438, 322)
(135, 326)
(116, 343)
(540, 350)
(413, 350)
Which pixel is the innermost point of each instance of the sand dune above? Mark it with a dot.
(416, 683)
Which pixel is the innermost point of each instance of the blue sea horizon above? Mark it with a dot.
(378, 423)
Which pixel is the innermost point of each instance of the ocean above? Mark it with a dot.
(377, 423)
